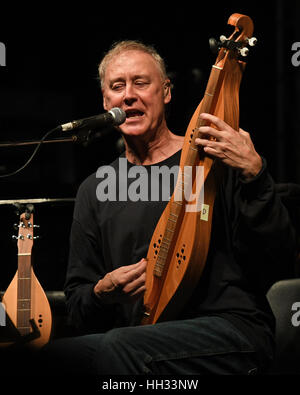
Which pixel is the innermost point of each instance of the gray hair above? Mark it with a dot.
(129, 45)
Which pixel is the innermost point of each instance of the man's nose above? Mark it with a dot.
(130, 95)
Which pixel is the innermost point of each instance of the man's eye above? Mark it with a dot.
(141, 83)
(117, 87)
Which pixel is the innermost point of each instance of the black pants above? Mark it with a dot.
(206, 345)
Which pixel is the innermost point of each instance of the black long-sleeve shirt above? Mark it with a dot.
(252, 246)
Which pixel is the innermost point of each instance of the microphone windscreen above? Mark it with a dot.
(118, 114)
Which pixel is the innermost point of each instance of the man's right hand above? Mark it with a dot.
(123, 285)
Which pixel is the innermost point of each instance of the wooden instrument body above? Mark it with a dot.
(190, 243)
(39, 309)
(179, 246)
(182, 277)
(25, 300)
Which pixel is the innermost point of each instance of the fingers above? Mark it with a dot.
(124, 284)
(132, 283)
(127, 274)
(233, 148)
(220, 132)
(218, 122)
(136, 288)
(129, 268)
(212, 147)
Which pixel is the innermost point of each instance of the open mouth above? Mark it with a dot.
(134, 113)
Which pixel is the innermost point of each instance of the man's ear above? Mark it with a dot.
(167, 91)
(104, 101)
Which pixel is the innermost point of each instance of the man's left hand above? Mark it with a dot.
(233, 148)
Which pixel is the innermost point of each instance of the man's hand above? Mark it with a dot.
(123, 285)
(233, 148)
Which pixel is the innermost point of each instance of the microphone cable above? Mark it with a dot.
(32, 155)
(115, 116)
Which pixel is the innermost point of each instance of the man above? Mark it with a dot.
(227, 327)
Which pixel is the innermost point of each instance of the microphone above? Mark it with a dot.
(115, 116)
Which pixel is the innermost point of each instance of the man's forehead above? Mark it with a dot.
(134, 61)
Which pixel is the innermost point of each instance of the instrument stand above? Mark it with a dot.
(12, 336)
(27, 338)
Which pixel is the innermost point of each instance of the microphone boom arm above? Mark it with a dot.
(115, 116)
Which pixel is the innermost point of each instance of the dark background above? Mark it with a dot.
(50, 78)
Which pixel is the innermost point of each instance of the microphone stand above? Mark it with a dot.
(32, 142)
(83, 136)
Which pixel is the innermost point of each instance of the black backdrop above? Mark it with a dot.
(50, 78)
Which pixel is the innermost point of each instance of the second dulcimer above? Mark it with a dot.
(25, 301)
(179, 246)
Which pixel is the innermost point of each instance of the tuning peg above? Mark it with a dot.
(17, 237)
(244, 51)
(17, 226)
(36, 226)
(223, 38)
(214, 45)
(36, 237)
(252, 41)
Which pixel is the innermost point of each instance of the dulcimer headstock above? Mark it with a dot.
(25, 231)
(25, 236)
(238, 44)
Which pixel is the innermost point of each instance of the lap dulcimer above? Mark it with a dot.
(26, 305)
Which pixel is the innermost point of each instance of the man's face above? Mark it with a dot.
(134, 83)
